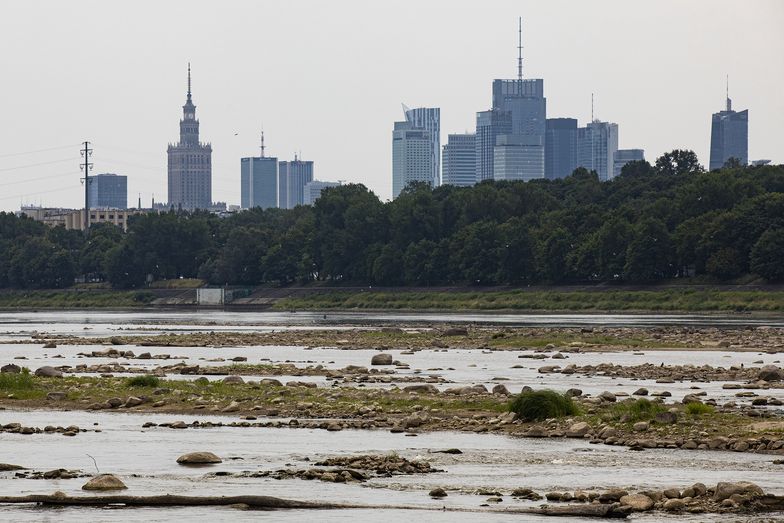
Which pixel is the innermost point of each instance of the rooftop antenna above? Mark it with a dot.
(189, 80)
(262, 143)
(520, 55)
(729, 102)
(591, 107)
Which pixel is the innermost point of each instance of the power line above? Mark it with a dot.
(5, 169)
(36, 193)
(36, 179)
(37, 151)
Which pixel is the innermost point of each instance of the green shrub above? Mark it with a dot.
(11, 382)
(637, 410)
(144, 381)
(698, 409)
(537, 405)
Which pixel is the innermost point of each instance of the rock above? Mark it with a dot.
(113, 403)
(574, 393)
(270, 381)
(607, 396)
(424, 388)
(674, 505)
(455, 331)
(526, 493)
(11, 368)
(198, 458)
(638, 502)
(691, 398)
(612, 495)
(771, 373)
(55, 396)
(235, 380)
(672, 493)
(231, 407)
(144, 356)
(133, 401)
(437, 493)
(665, 418)
(578, 430)
(48, 372)
(381, 359)
(104, 482)
(725, 490)
(548, 369)
(7, 467)
(640, 426)
(501, 389)
(50, 345)
(640, 392)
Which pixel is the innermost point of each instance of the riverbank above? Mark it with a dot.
(586, 299)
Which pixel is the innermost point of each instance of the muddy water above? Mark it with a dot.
(145, 458)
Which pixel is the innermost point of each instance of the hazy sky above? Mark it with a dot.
(327, 78)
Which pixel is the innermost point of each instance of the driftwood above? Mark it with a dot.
(273, 503)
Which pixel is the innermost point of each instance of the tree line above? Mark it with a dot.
(652, 223)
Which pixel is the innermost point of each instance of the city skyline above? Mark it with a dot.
(127, 106)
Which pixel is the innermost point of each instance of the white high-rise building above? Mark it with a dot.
(518, 157)
(313, 190)
(412, 158)
(459, 160)
(429, 119)
(597, 144)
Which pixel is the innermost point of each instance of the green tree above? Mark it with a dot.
(648, 257)
(767, 255)
(40, 264)
(678, 162)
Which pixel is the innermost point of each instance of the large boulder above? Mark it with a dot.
(199, 458)
(104, 482)
(578, 430)
(771, 373)
(235, 380)
(48, 372)
(637, 502)
(455, 331)
(726, 490)
(381, 359)
(11, 368)
(425, 388)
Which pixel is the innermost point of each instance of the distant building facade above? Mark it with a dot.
(412, 158)
(429, 119)
(624, 156)
(597, 143)
(73, 219)
(489, 126)
(312, 190)
(109, 191)
(729, 137)
(518, 157)
(560, 148)
(459, 160)
(292, 177)
(258, 182)
(190, 163)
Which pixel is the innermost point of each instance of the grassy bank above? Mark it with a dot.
(665, 300)
(74, 298)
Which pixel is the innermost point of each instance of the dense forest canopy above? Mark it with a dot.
(652, 223)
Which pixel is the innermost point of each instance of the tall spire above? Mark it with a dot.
(520, 49)
(189, 81)
(262, 143)
(729, 102)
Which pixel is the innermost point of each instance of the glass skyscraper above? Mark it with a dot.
(560, 155)
(597, 143)
(259, 182)
(429, 119)
(459, 159)
(292, 177)
(412, 156)
(729, 137)
(108, 191)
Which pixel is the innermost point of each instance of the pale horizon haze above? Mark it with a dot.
(327, 79)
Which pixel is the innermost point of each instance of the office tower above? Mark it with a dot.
(489, 126)
(190, 163)
(597, 143)
(459, 165)
(624, 156)
(429, 119)
(518, 157)
(108, 191)
(729, 136)
(560, 148)
(312, 190)
(519, 108)
(412, 158)
(259, 181)
(292, 177)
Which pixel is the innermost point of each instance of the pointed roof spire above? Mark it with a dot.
(262, 143)
(520, 49)
(729, 102)
(189, 81)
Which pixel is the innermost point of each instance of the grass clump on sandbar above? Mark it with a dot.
(537, 405)
(143, 381)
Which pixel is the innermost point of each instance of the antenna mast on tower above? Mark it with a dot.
(262, 143)
(520, 55)
(729, 102)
